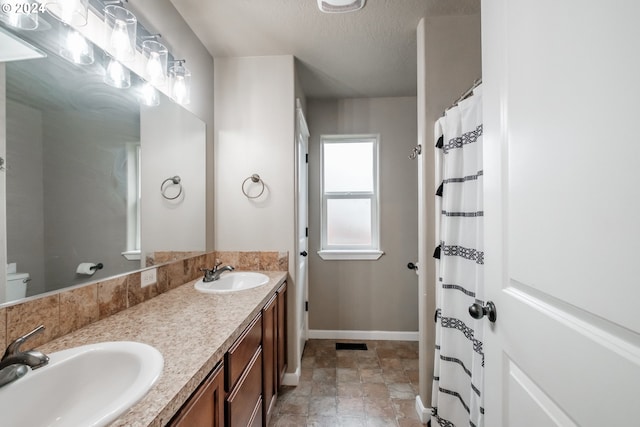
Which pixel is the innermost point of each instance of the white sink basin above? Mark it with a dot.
(232, 282)
(83, 386)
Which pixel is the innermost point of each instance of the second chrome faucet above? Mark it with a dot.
(14, 363)
(215, 272)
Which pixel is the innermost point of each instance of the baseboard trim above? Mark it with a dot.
(424, 414)
(291, 379)
(362, 335)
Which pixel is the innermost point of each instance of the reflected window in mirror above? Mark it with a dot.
(134, 191)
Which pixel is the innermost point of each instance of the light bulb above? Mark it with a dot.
(150, 95)
(67, 10)
(119, 41)
(117, 75)
(77, 47)
(179, 90)
(154, 70)
(14, 19)
(71, 12)
(180, 80)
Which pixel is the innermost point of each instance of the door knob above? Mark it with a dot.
(304, 253)
(412, 266)
(478, 312)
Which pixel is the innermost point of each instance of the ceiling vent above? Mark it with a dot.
(340, 6)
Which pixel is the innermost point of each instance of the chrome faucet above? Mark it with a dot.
(14, 363)
(215, 272)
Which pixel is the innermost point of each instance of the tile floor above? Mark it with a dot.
(376, 387)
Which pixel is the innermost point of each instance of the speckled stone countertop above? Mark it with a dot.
(192, 330)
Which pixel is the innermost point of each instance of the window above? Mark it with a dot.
(350, 226)
(133, 202)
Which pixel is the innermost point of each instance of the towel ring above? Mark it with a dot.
(255, 178)
(175, 180)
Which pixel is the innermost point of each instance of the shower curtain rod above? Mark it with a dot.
(467, 93)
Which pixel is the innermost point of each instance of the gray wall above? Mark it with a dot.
(368, 295)
(25, 190)
(85, 193)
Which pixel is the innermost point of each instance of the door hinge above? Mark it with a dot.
(306, 232)
(306, 158)
(306, 306)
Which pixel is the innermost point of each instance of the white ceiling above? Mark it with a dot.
(369, 53)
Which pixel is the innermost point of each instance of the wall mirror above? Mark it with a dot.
(83, 168)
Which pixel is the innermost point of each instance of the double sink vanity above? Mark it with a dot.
(208, 357)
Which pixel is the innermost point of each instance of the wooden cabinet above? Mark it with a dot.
(206, 407)
(242, 390)
(244, 402)
(269, 357)
(282, 332)
(243, 379)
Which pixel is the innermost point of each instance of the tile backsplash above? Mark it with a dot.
(71, 309)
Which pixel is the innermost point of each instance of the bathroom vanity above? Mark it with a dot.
(224, 354)
(242, 389)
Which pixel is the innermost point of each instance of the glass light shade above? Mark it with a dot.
(21, 15)
(340, 6)
(121, 27)
(74, 47)
(117, 75)
(180, 83)
(149, 95)
(72, 12)
(155, 55)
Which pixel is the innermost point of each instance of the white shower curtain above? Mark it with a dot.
(459, 358)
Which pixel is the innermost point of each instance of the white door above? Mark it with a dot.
(562, 197)
(302, 142)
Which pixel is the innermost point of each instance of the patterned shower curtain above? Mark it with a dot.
(459, 357)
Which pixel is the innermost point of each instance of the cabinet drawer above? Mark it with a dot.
(256, 418)
(245, 397)
(239, 355)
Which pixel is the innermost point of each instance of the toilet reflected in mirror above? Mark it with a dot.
(16, 283)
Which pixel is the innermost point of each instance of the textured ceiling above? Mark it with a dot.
(369, 53)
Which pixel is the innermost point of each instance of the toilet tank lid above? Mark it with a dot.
(17, 276)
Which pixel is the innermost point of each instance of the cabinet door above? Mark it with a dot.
(269, 357)
(246, 395)
(282, 332)
(206, 407)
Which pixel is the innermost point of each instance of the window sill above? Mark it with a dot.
(131, 255)
(350, 255)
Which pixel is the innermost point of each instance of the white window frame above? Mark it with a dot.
(352, 252)
(134, 192)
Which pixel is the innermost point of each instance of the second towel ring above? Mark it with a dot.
(174, 180)
(255, 178)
